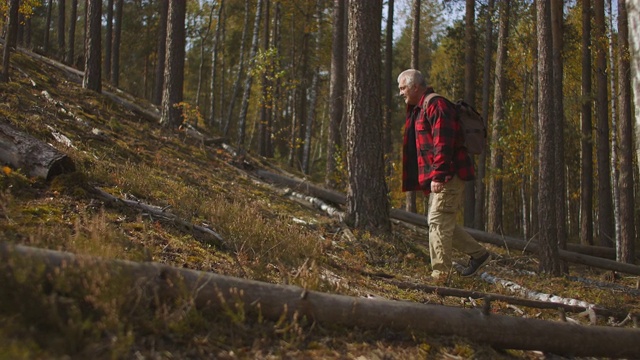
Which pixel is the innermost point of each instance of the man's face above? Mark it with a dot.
(411, 93)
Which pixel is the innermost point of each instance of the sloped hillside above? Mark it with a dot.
(144, 194)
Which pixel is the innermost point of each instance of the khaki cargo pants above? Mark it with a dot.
(444, 232)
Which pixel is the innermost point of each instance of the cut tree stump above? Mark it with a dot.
(271, 301)
(33, 156)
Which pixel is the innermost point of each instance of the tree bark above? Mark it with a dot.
(633, 18)
(70, 54)
(242, 118)
(34, 157)
(548, 249)
(240, 73)
(108, 40)
(470, 98)
(47, 27)
(626, 248)
(500, 92)
(586, 160)
(115, 47)
(389, 89)
(93, 49)
(367, 200)
(558, 115)
(479, 219)
(211, 120)
(605, 206)
(161, 50)
(411, 196)
(174, 66)
(61, 27)
(275, 301)
(336, 90)
(10, 39)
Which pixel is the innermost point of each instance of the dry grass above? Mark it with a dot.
(86, 311)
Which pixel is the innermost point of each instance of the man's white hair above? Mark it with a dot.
(411, 77)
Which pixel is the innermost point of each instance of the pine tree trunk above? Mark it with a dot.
(71, 34)
(10, 39)
(115, 52)
(558, 111)
(336, 90)
(605, 206)
(479, 220)
(93, 48)
(548, 246)
(367, 201)
(108, 40)
(586, 161)
(61, 27)
(411, 196)
(242, 119)
(236, 86)
(496, 159)
(161, 50)
(470, 97)
(626, 250)
(211, 119)
(47, 27)
(174, 66)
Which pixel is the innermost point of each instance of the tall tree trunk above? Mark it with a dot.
(470, 97)
(61, 26)
(267, 88)
(161, 50)
(548, 246)
(336, 90)
(93, 49)
(203, 40)
(388, 90)
(558, 110)
(615, 172)
(312, 95)
(626, 249)
(174, 66)
(236, 86)
(10, 39)
(496, 160)
(479, 220)
(47, 27)
(70, 54)
(633, 18)
(410, 196)
(214, 65)
(115, 52)
(605, 207)
(108, 40)
(242, 120)
(586, 161)
(367, 201)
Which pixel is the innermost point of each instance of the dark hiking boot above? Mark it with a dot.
(475, 265)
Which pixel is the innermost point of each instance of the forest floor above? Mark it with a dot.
(266, 236)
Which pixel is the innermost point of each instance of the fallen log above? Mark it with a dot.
(273, 301)
(538, 304)
(421, 220)
(33, 156)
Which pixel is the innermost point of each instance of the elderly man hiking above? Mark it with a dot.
(435, 161)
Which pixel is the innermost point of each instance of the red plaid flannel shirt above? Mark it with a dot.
(432, 147)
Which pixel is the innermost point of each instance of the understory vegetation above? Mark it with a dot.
(86, 310)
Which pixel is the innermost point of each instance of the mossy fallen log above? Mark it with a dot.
(35, 157)
(271, 301)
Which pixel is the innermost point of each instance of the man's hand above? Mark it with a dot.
(436, 187)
